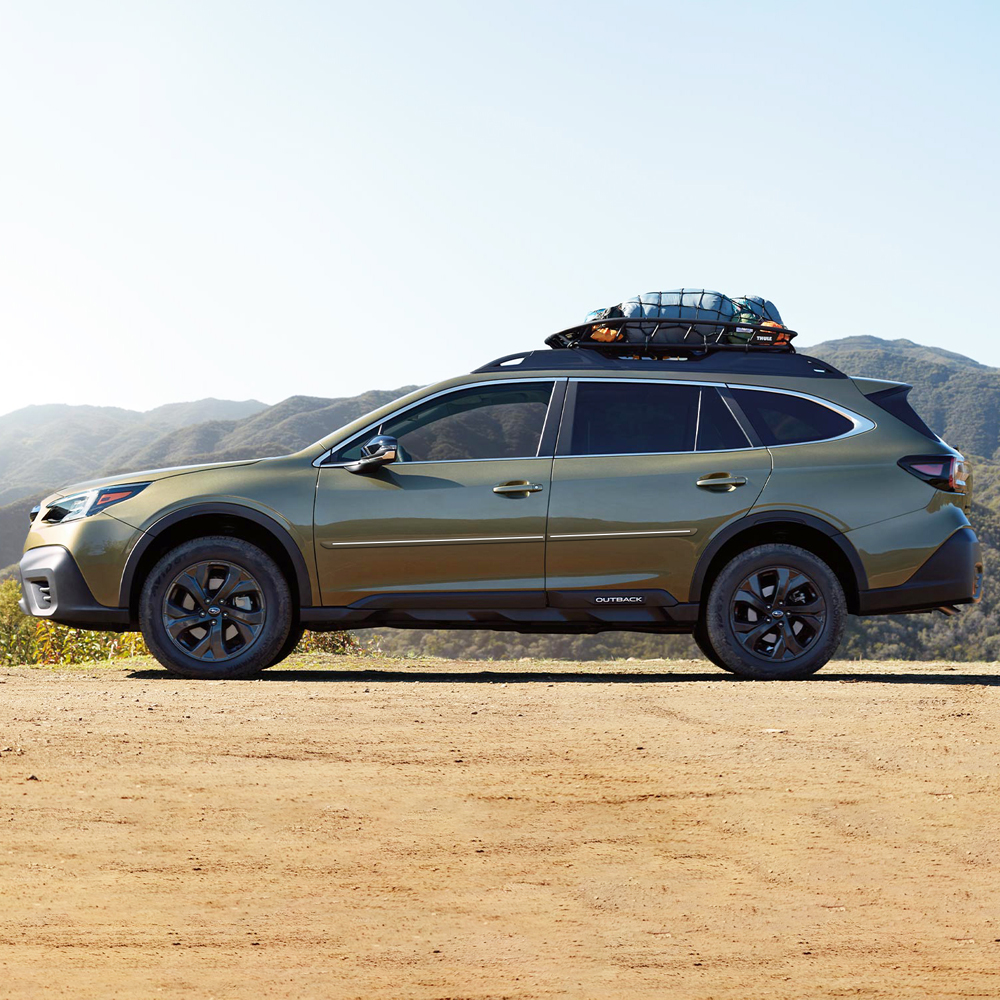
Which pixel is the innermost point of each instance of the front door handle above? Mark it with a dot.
(517, 488)
(721, 480)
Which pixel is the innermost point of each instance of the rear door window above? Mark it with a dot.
(633, 418)
(649, 418)
(717, 427)
(784, 418)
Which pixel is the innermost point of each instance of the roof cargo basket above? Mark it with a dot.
(648, 337)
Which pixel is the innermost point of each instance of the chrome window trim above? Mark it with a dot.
(318, 463)
(861, 424)
(656, 454)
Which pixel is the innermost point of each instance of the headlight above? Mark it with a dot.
(72, 508)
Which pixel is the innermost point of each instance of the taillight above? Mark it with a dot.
(943, 472)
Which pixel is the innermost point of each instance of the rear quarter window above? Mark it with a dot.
(783, 418)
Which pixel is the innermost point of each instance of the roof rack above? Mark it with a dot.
(694, 340)
(759, 361)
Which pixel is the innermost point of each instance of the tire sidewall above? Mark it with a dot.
(277, 601)
(718, 625)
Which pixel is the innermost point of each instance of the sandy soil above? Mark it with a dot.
(432, 829)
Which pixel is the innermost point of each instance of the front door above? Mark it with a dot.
(645, 473)
(460, 513)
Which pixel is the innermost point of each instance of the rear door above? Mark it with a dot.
(645, 473)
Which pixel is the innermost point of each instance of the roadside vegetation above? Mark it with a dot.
(36, 641)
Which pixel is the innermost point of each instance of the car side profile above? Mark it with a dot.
(753, 498)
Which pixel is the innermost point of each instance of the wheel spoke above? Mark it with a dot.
(189, 582)
(201, 649)
(811, 607)
(746, 596)
(756, 588)
(254, 619)
(750, 632)
(745, 628)
(216, 644)
(792, 643)
(173, 610)
(788, 581)
(237, 581)
(815, 622)
(176, 627)
(246, 633)
(779, 648)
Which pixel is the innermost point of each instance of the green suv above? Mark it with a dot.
(754, 498)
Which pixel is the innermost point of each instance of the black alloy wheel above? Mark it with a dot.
(216, 607)
(214, 610)
(775, 612)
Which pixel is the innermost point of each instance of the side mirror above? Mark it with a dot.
(380, 450)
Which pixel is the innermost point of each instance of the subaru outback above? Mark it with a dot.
(752, 498)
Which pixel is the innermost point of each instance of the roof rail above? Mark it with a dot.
(758, 361)
(695, 339)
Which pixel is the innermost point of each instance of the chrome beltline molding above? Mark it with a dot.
(624, 534)
(432, 541)
(507, 538)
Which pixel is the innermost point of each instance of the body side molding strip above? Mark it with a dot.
(431, 541)
(625, 534)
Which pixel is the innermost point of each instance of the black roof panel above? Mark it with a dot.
(735, 362)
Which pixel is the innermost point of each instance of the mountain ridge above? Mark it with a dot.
(887, 348)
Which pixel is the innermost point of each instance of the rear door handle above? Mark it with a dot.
(505, 488)
(729, 482)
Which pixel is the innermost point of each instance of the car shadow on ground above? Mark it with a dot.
(578, 677)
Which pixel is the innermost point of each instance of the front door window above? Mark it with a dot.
(483, 422)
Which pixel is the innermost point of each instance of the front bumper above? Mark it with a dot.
(952, 575)
(53, 587)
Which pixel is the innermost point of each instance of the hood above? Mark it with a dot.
(146, 476)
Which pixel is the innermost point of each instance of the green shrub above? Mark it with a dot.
(341, 643)
(17, 632)
(37, 640)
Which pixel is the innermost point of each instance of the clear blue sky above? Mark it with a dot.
(249, 199)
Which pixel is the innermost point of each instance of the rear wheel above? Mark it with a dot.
(775, 612)
(216, 607)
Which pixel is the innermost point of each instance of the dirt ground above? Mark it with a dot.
(432, 829)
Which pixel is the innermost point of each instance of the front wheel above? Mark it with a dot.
(775, 612)
(215, 607)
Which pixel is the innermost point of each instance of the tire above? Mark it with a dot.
(775, 612)
(294, 638)
(707, 649)
(216, 607)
